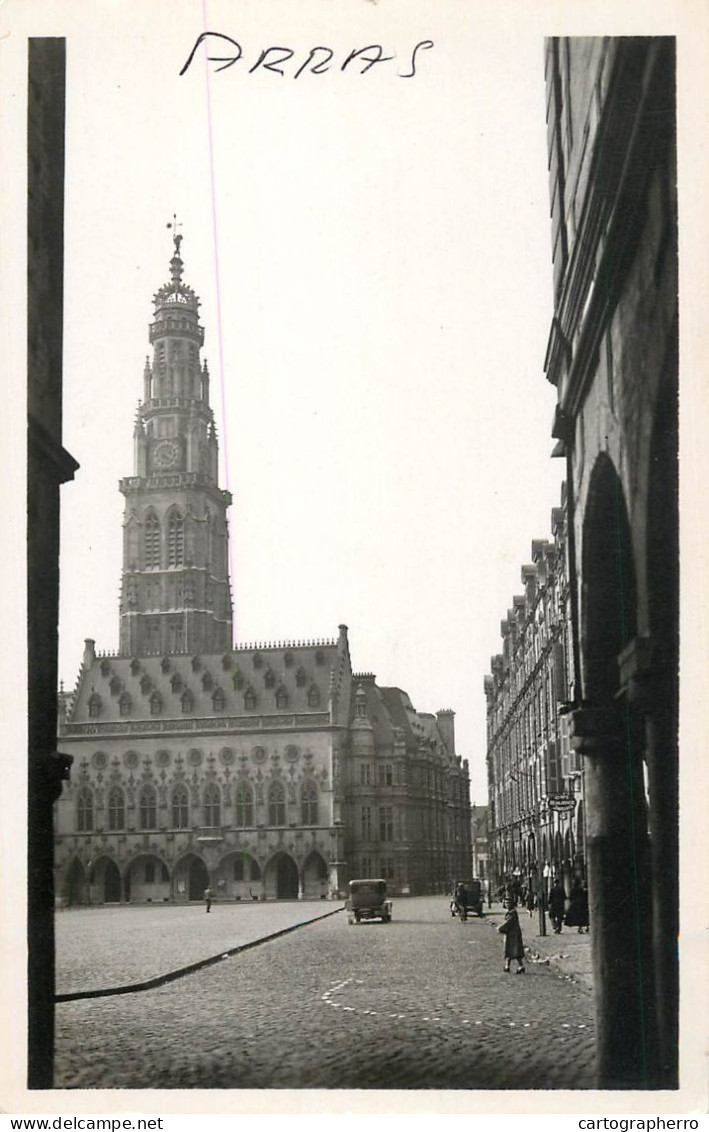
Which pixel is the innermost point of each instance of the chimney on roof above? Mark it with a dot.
(446, 726)
(89, 652)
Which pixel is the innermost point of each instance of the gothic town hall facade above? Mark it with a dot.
(266, 771)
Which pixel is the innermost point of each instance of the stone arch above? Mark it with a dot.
(315, 876)
(280, 877)
(105, 881)
(146, 879)
(608, 587)
(190, 877)
(238, 876)
(616, 821)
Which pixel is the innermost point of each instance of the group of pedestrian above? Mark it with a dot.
(571, 911)
(576, 914)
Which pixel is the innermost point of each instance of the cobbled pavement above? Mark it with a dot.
(421, 1003)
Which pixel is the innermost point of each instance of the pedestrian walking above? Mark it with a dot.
(577, 915)
(557, 903)
(510, 900)
(514, 944)
(208, 895)
(530, 901)
(461, 900)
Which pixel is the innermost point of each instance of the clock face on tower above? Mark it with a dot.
(166, 454)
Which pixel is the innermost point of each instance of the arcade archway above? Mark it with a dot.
(281, 878)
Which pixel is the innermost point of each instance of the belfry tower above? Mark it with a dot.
(175, 594)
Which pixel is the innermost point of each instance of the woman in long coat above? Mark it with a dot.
(514, 944)
(577, 915)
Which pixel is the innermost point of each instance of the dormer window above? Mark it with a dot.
(207, 682)
(125, 703)
(105, 668)
(95, 705)
(301, 677)
(313, 696)
(237, 680)
(249, 699)
(145, 685)
(269, 679)
(218, 700)
(187, 700)
(176, 682)
(196, 664)
(135, 667)
(288, 660)
(155, 703)
(115, 686)
(165, 664)
(319, 657)
(281, 697)
(226, 662)
(257, 660)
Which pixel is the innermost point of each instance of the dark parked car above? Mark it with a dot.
(367, 900)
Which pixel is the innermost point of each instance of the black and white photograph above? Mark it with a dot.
(360, 400)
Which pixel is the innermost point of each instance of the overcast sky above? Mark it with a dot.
(373, 256)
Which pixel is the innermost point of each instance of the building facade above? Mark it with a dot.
(613, 358)
(480, 842)
(537, 821)
(266, 771)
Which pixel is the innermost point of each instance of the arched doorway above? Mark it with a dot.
(281, 878)
(111, 884)
(189, 878)
(238, 877)
(616, 842)
(147, 880)
(315, 876)
(198, 879)
(105, 881)
(75, 888)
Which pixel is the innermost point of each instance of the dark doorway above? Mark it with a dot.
(286, 878)
(198, 879)
(111, 883)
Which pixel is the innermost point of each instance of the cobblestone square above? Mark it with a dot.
(420, 1003)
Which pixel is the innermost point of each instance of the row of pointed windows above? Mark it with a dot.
(180, 806)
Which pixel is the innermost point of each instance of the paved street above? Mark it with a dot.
(114, 946)
(419, 1003)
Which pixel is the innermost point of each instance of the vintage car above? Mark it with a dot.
(367, 900)
(467, 897)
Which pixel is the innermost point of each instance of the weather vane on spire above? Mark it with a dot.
(177, 238)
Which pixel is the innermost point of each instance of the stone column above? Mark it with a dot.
(619, 895)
